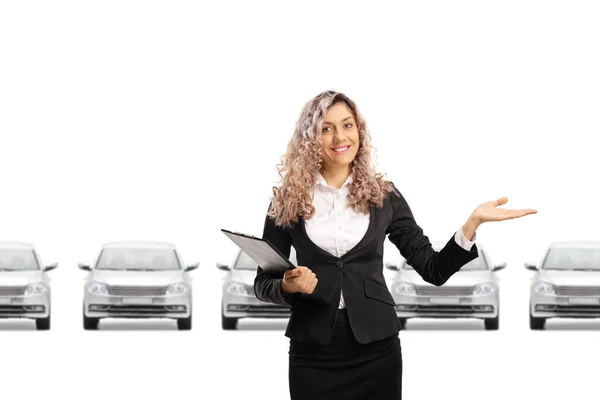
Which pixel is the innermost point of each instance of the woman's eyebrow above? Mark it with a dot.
(327, 122)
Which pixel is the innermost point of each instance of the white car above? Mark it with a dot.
(142, 279)
(24, 284)
(472, 292)
(566, 283)
(238, 299)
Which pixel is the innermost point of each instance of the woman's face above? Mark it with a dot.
(339, 137)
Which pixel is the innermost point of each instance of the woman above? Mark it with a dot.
(337, 211)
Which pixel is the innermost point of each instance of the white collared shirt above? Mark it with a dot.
(337, 229)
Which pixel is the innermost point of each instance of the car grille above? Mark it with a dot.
(137, 290)
(579, 309)
(438, 308)
(20, 309)
(577, 290)
(444, 291)
(263, 308)
(12, 290)
(139, 309)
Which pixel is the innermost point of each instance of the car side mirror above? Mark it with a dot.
(391, 265)
(500, 266)
(223, 266)
(51, 267)
(84, 266)
(192, 266)
(531, 266)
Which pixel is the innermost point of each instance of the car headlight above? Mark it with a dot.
(98, 288)
(237, 288)
(405, 288)
(544, 288)
(36, 288)
(176, 288)
(484, 288)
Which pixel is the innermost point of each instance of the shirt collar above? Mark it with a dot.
(321, 181)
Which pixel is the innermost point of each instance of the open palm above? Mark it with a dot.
(489, 211)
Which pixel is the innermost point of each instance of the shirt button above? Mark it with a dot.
(339, 264)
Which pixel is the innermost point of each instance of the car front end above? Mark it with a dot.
(447, 301)
(102, 300)
(30, 300)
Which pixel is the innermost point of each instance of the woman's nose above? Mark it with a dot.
(338, 135)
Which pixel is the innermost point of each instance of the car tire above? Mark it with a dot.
(536, 323)
(42, 324)
(90, 323)
(184, 324)
(228, 324)
(402, 322)
(492, 324)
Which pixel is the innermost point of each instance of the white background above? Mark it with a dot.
(164, 121)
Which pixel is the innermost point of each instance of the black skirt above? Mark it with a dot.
(346, 369)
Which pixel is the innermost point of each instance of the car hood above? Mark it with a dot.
(570, 278)
(461, 278)
(19, 278)
(245, 277)
(138, 278)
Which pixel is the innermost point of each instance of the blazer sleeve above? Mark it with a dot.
(433, 266)
(267, 286)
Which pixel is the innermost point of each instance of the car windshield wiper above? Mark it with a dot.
(586, 269)
(9, 269)
(140, 269)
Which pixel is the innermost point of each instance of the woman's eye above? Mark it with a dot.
(348, 125)
(324, 129)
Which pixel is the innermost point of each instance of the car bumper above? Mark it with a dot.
(551, 306)
(242, 306)
(25, 306)
(484, 306)
(171, 306)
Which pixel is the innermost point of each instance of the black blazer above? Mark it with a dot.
(370, 306)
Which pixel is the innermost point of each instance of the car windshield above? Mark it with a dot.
(478, 264)
(18, 260)
(131, 259)
(573, 259)
(244, 262)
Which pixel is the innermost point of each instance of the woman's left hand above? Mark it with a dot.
(488, 211)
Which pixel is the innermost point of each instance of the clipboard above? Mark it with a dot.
(261, 251)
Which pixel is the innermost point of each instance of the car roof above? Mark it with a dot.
(138, 244)
(7, 244)
(586, 244)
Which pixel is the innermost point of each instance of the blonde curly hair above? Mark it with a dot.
(299, 166)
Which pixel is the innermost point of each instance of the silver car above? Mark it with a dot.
(566, 283)
(238, 299)
(472, 292)
(24, 284)
(143, 279)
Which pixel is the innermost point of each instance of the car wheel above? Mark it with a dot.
(184, 324)
(492, 324)
(228, 323)
(402, 322)
(536, 323)
(42, 324)
(90, 323)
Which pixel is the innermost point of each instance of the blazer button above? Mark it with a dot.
(339, 264)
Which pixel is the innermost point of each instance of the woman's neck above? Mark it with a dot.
(336, 177)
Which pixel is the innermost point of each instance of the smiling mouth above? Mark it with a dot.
(340, 149)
